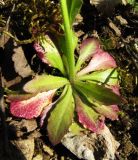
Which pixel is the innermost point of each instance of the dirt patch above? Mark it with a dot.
(23, 139)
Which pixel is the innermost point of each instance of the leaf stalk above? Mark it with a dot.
(68, 39)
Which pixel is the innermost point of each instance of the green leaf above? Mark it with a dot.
(109, 76)
(95, 92)
(56, 61)
(74, 7)
(74, 40)
(61, 117)
(132, 2)
(44, 83)
(76, 129)
(64, 50)
(61, 42)
(51, 53)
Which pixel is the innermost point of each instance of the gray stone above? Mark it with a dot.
(92, 146)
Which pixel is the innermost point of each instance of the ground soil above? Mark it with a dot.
(21, 138)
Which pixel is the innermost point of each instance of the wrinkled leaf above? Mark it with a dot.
(88, 117)
(88, 48)
(109, 76)
(61, 117)
(44, 83)
(31, 107)
(73, 9)
(100, 61)
(95, 92)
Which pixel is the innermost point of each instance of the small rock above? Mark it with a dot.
(121, 20)
(20, 63)
(35, 134)
(23, 126)
(92, 146)
(26, 147)
(30, 125)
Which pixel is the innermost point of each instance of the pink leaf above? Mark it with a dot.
(100, 61)
(88, 117)
(32, 107)
(88, 47)
(40, 52)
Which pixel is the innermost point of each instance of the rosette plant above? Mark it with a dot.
(88, 83)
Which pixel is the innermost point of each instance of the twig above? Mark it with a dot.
(17, 40)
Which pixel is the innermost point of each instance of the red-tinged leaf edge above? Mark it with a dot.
(88, 117)
(48, 53)
(41, 53)
(110, 112)
(88, 48)
(100, 61)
